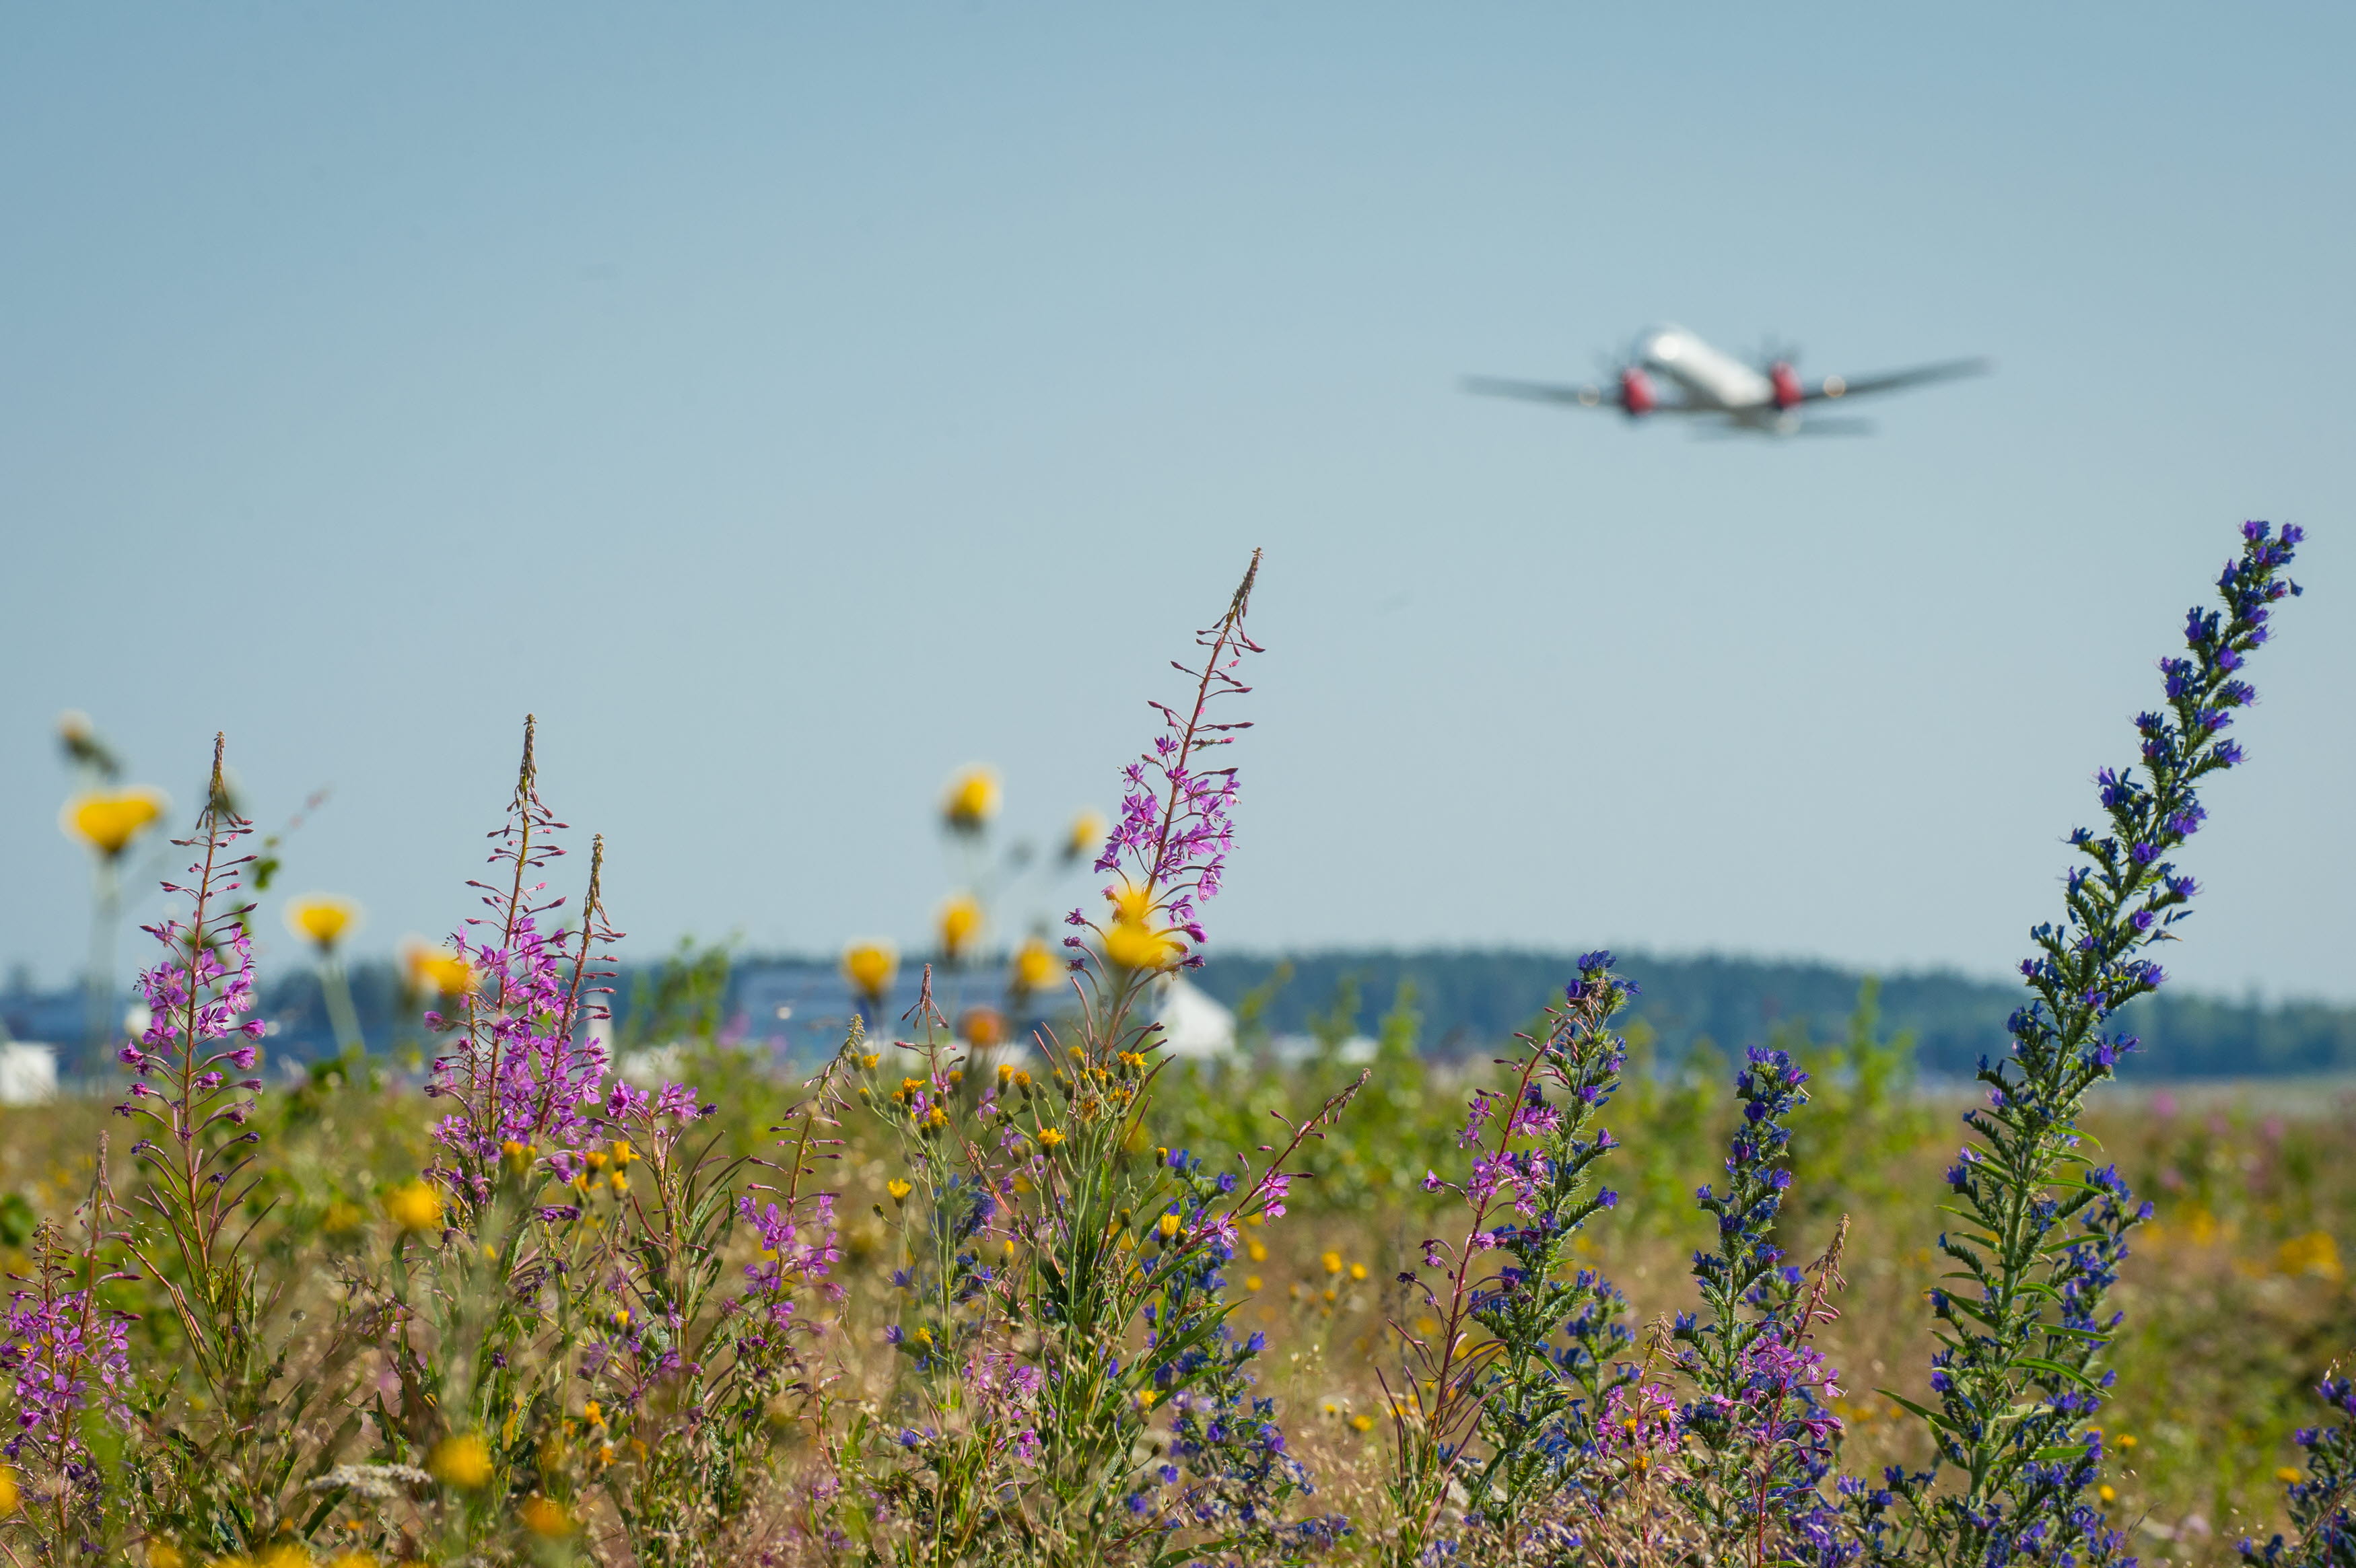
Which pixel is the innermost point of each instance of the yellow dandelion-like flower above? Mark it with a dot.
(1049, 1137)
(869, 966)
(1168, 1226)
(164, 1554)
(285, 1554)
(1135, 946)
(1357, 1270)
(982, 1027)
(899, 1190)
(415, 1207)
(959, 922)
(9, 1494)
(2107, 1495)
(1251, 1282)
(1362, 1423)
(1086, 835)
(428, 969)
(108, 819)
(546, 1517)
(1332, 1262)
(464, 1461)
(1130, 902)
(322, 919)
(972, 799)
(2285, 1475)
(351, 1559)
(1035, 966)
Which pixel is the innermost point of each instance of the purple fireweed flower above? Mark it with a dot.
(1176, 826)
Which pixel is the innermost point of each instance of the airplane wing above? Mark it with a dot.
(1892, 380)
(1587, 396)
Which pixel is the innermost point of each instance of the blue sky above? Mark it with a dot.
(789, 404)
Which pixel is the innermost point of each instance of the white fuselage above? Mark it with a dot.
(1708, 377)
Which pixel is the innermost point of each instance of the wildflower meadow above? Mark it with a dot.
(1013, 1284)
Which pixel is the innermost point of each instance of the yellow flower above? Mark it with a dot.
(464, 1461)
(1086, 835)
(620, 1182)
(869, 966)
(1332, 1262)
(1049, 1139)
(108, 820)
(972, 799)
(1251, 1282)
(518, 1155)
(9, 1496)
(1363, 1423)
(2107, 1495)
(2315, 1254)
(1130, 902)
(959, 922)
(982, 1027)
(1257, 1248)
(425, 967)
(1145, 1399)
(164, 1554)
(351, 1559)
(1357, 1270)
(1135, 946)
(1169, 1226)
(415, 1207)
(286, 1554)
(546, 1517)
(2126, 1440)
(623, 1152)
(899, 1190)
(1034, 967)
(340, 1217)
(322, 919)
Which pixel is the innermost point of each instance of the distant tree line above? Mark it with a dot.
(1468, 1002)
(1471, 1000)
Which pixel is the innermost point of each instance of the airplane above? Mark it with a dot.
(1734, 397)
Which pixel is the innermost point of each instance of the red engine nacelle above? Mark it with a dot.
(1636, 394)
(1786, 383)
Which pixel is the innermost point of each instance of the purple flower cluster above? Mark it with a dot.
(55, 1345)
(1536, 1406)
(516, 1069)
(1176, 826)
(196, 1033)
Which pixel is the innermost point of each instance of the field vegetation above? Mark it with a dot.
(1015, 1286)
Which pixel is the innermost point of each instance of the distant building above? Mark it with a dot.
(28, 1072)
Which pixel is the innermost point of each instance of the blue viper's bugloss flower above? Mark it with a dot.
(1558, 1330)
(2045, 1231)
(2322, 1501)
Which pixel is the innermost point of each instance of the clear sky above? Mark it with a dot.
(789, 403)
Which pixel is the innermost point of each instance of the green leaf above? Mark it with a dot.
(1935, 1419)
